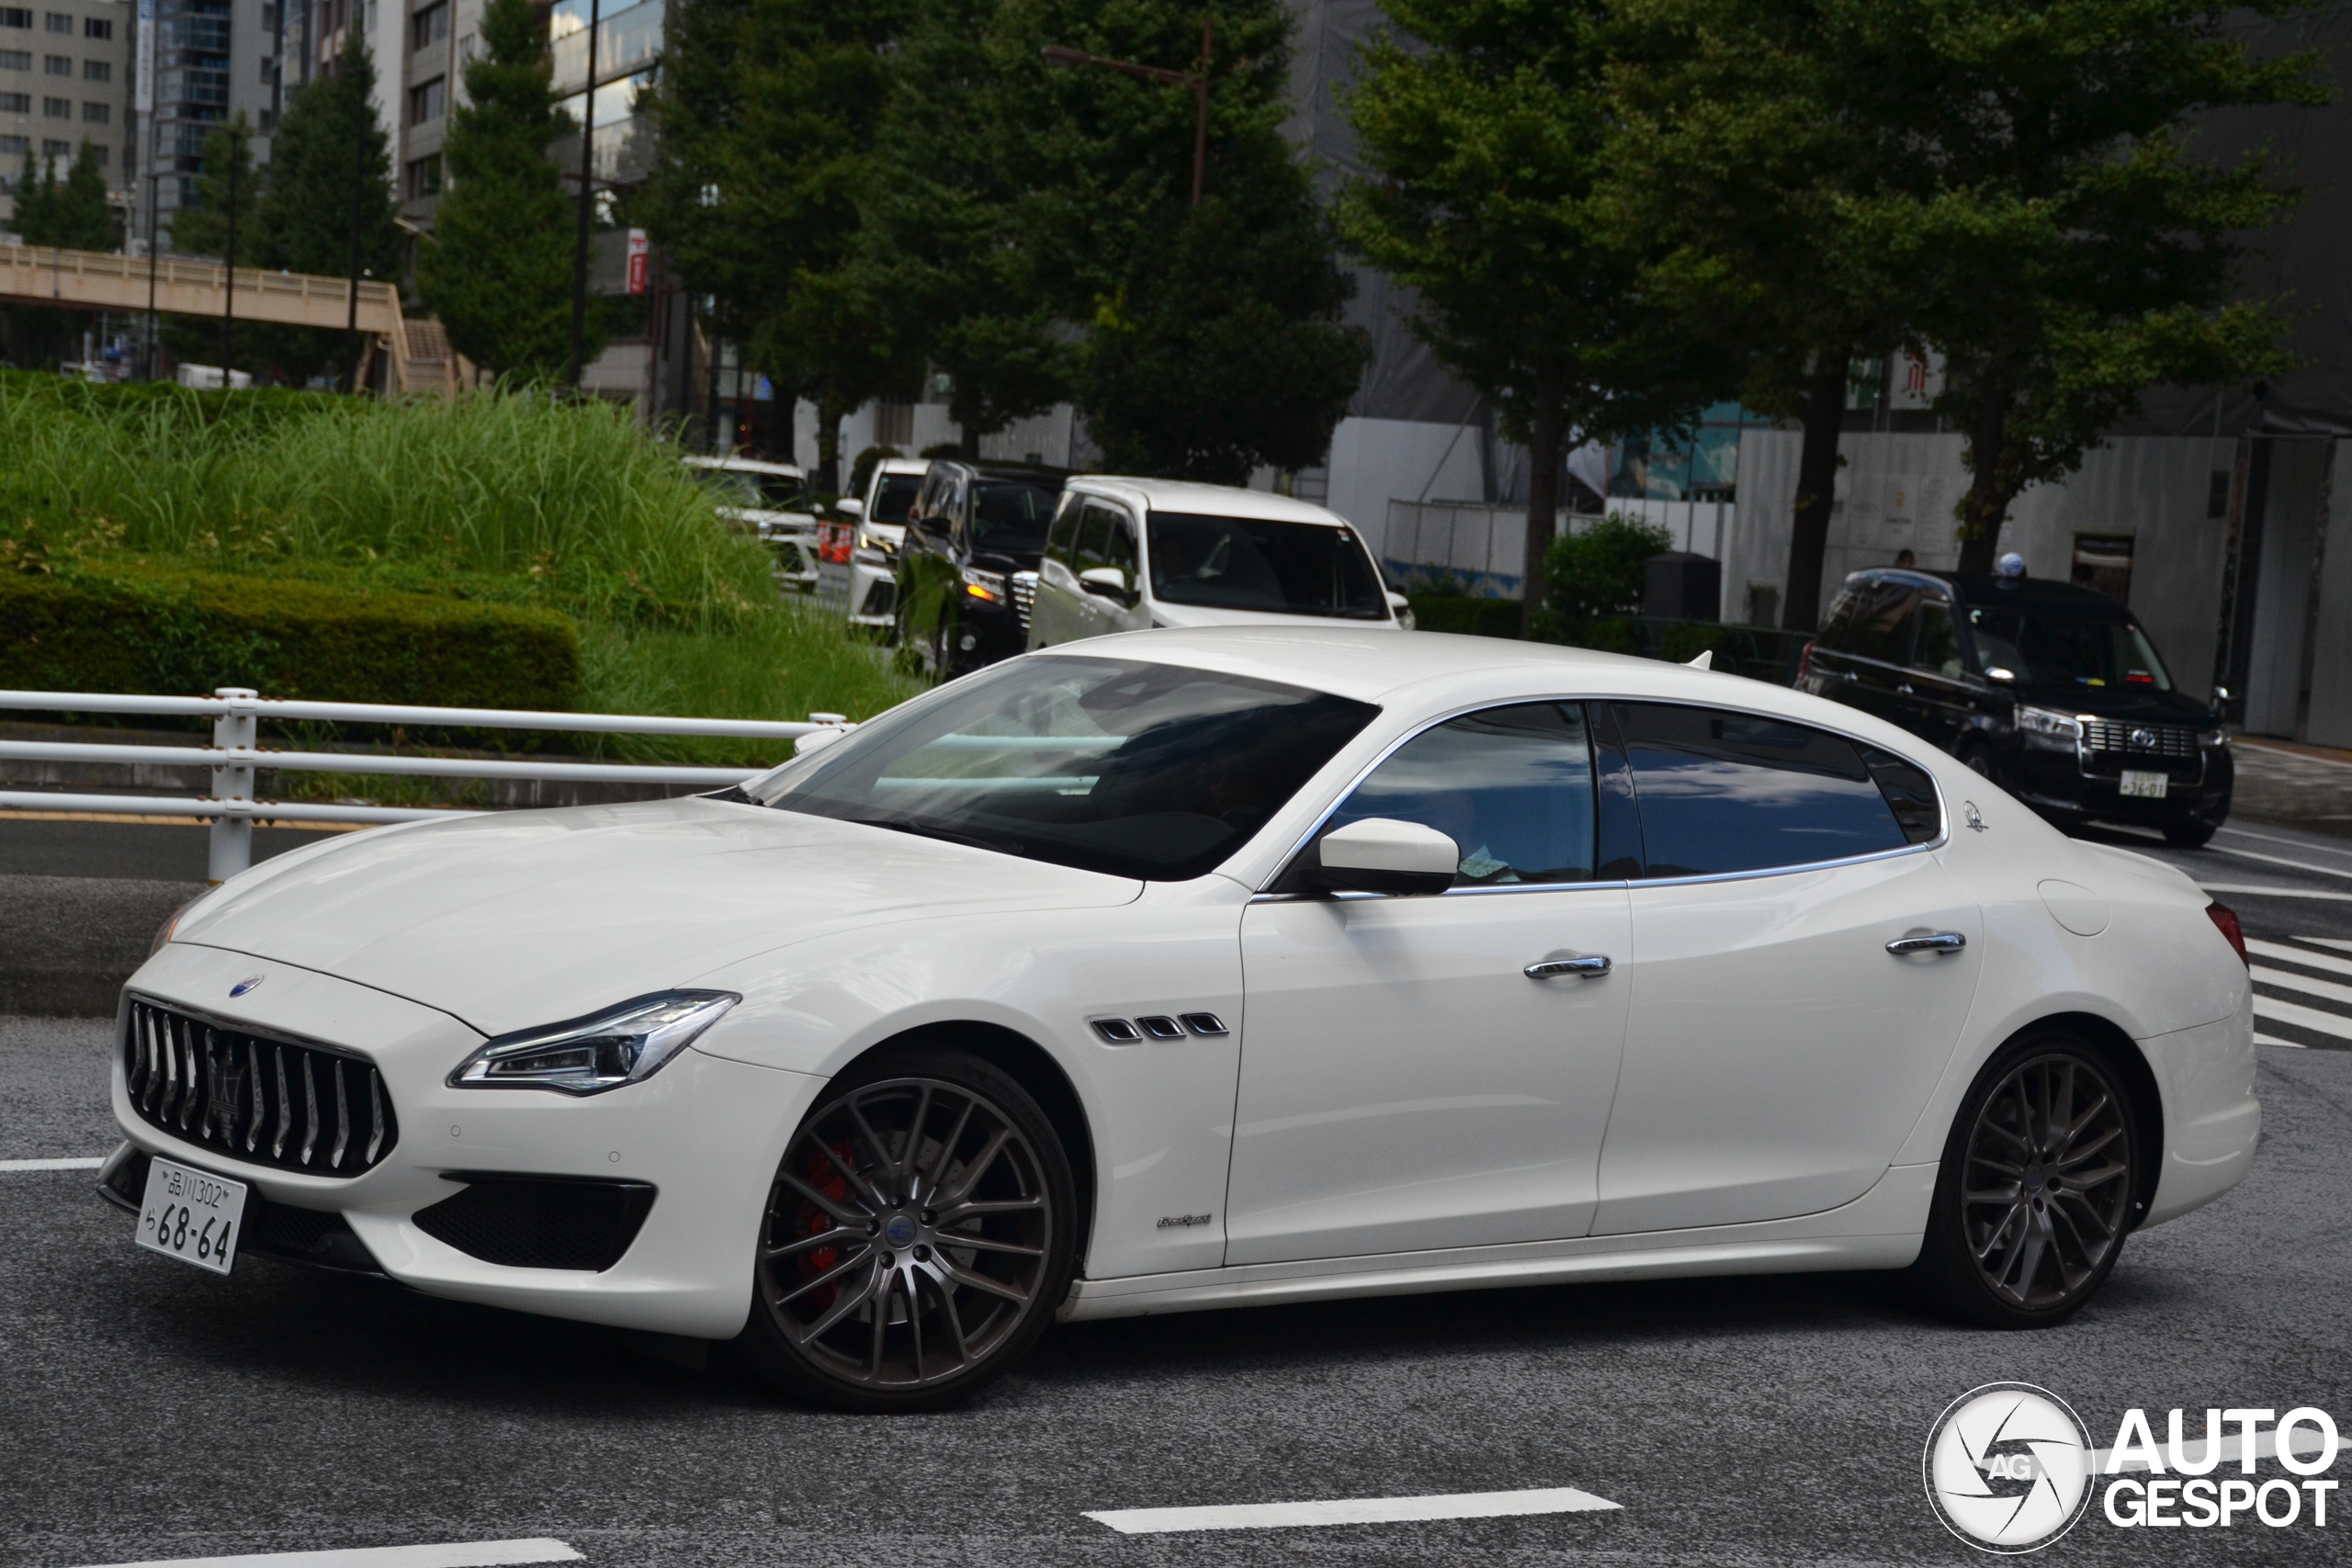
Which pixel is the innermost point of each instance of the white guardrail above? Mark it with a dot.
(235, 754)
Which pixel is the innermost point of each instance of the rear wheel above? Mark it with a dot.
(918, 1237)
(2035, 1195)
(2190, 835)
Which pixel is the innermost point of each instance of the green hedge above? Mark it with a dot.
(161, 630)
(1462, 613)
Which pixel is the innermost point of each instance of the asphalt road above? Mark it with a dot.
(150, 1411)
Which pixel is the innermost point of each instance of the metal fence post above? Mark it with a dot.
(232, 783)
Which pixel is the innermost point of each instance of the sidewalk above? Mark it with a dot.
(2307, 786)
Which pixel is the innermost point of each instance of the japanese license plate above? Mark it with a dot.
(192, 1215)
(2150, 786)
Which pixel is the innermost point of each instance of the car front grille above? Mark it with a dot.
(1024, 594)
(255, 1098)
(2142, 739)
(881, 599)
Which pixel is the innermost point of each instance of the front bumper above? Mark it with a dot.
(2062, 780)
(706, 1132)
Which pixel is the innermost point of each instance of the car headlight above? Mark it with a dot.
(588, 1055)
(2213, 738)
(866, 541)
(988, 586)
(2048, 721)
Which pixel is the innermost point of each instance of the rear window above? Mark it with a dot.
(1728, 792)
(1248, 563)
(1011, 517)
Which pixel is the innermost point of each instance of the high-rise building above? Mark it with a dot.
(207, 60)
(66, 78)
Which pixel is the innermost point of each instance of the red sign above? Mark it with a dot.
(640, 260)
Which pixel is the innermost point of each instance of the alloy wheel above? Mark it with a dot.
(907, 1236)
(2046, 1183)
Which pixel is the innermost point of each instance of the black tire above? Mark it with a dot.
(2048, 1133)
(2190, 835)
(954, 1198)
(1977, 758)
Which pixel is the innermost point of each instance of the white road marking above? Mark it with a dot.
(2275, 839)
(2336, 942)
(2335, 1025)
(8, 1165)
(455, 1555)
(2282, 860)
(2261, 1039)
(2269, 892)
(2302, 955)
(1353, 1511)
(2328, 989)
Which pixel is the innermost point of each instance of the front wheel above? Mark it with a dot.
(2037, 1188)
(2190, 835)
(918, 1237)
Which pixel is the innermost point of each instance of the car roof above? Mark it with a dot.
(1032, 472)
(902, 466)
(1207, 500)
(746, 465)
(2028, 593)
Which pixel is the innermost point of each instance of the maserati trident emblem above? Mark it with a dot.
(1976, 823)
(247, 984)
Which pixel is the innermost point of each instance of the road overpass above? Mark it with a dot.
(176, 286)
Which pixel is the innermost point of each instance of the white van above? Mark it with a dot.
(1124, 553)
(881, 516)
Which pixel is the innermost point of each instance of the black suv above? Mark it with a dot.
(2052, 692)
(968, 571)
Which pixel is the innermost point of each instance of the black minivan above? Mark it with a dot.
(968, 571)
(2052, 691)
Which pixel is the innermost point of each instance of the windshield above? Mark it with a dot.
(740, 487)
(1010, 516)
(1148, 770)
(2047, 647)
(1247, 563)
(895, 497)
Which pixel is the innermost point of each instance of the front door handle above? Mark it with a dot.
(1934, 942)
(1590, 968)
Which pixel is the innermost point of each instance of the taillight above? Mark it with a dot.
(2225, 921)
(1805, 659)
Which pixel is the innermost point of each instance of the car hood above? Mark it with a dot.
(512, 919)
(2124, 703)
(1191, 616)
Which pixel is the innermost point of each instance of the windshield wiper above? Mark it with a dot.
(734, 793)
(926, 829)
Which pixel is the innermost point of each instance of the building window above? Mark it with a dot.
(98, 71)
(15, 60)
(269, 18)
(13, 146)
(59, 22)
(465, 48)
(57, 64)
(429, 25)
(96, 113)
(56, 149)
(93, 27)
(428, 100)
(17, 103)
(57, 108)
(14, 17)
(424, 177)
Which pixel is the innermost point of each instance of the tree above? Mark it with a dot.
(329, 203)
(1213, 342)
(221, 223)
(497, 266)
(71, 213)
(1754, 141)
(1485, 144)
(2073, 253)
(1603, 570)
(766, 114)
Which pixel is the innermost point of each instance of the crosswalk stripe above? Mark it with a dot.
(2261, 1039)
(2329, 990)
(2302, 955)
(2336, 942)
(2333, 1024)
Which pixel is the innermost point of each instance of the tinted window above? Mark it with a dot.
(1094, 536)
(1512, 786)
(1936, 651)
(1136, 770)
(2052, 647)
(1011, 516)
(1874, 620)
(1061, 539)
(1722, 792)
(895, 497)
(1244, 563)
(1909, 792)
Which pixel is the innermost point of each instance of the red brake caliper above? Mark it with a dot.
(809, 1220)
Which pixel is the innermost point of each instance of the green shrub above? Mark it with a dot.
(1599, 571)
(1462, 613)
(158, 630)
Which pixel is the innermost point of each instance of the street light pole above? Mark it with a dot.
(1196, 80)
(229, 261)
(587, 199)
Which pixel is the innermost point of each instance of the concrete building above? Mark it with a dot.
(66, 78)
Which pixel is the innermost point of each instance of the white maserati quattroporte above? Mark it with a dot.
(1187, 969)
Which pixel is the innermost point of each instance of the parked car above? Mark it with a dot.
(2053, 692)
(1203, 968)
(771, 501)
(1127, 554)
(880, 516)
(968, 563)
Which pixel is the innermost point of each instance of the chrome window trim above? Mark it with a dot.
(1943, 807)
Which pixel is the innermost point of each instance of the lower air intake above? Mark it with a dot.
(539, 1222)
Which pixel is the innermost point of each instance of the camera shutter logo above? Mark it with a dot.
(2008, 1467)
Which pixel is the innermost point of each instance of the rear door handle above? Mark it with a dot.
(1934, 942)
(1590, 968)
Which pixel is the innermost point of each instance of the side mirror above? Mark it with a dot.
(1401, 608)
(849, 507)
(1381, 854)
(1107, 582)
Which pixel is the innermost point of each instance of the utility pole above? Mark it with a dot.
(1195, 80)
(229, 261)
(359, 203)
(587, 203)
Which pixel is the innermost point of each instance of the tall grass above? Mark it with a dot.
(493, 496)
